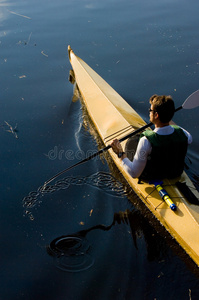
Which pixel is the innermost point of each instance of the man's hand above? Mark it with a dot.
(116, 146)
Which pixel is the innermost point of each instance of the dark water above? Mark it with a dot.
(106, 246)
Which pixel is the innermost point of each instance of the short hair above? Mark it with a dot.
(165, 107)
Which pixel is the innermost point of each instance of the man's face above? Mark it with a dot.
(152, 113)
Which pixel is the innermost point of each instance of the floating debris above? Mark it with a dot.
(42, 52)
(12, 130)
(26, 43)
(189, 294)
(14, 13)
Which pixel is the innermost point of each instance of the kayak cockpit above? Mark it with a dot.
(131, 146)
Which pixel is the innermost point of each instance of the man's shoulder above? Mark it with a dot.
(144, 142)
(176, 127)
(148, 133)
(179, 132)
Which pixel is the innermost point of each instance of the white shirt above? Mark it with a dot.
(136, 167)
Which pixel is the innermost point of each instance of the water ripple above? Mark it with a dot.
(71, 253)
(101, 180)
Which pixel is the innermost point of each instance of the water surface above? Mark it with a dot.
(140, 48)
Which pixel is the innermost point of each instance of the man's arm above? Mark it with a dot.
(135, 167)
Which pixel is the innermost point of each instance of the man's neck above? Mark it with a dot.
(160, 124)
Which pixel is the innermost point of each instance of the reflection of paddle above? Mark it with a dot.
(76, 244)
(191, 102)
(68, 244)
(72, 253)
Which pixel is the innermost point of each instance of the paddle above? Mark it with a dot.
(191, 102)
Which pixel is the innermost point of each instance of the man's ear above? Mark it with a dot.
(156, 116)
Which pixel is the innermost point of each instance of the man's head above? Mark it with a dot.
(164, 106)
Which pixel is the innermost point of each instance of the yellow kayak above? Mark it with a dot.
(113, 118)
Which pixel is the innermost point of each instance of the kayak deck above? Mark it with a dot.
(113, 117)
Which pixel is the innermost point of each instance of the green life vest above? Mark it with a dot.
(167, 156)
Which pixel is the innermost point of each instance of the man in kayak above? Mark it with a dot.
(160, 153)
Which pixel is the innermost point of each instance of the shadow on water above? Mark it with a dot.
(73, 252)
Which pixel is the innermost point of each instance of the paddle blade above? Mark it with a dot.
(192, 101)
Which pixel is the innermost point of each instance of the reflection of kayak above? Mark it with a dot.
(114, 118)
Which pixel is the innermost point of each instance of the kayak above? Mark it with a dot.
(112, 117)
